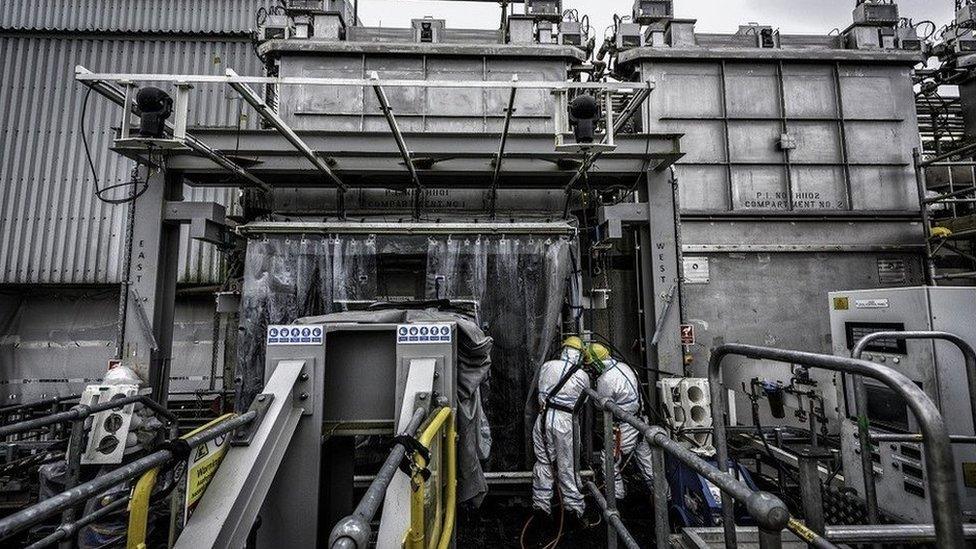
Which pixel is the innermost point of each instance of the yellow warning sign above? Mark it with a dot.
(200, 470)
(842, 303)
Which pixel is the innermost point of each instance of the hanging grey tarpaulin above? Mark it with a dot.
(518, 282)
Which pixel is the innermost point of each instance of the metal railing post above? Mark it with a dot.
(662, 526)
(769, 539)
(609, 475)
(769, 511)
(809, 469)
(938, 452)
(861, 403)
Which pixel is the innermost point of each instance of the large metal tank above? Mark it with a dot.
(469, 109)
(798, 179)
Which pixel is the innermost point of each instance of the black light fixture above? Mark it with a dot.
(583, 114)
(155, 106)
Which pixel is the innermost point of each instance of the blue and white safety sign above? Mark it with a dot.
(424, 333)
(295, 334)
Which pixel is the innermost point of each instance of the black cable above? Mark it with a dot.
(100, 191)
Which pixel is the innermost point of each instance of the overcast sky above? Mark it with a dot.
(790, 16)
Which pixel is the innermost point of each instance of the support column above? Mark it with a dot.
(151, 302)
(659, 271)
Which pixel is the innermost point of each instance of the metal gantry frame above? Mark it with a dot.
(946, 510)
(936, 242)
(271, 117)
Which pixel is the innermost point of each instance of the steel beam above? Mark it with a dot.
(112, 93)
(229, 507)
(88, 76)
(272, 118)
(401, 144)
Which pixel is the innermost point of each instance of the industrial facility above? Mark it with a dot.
(273, 275)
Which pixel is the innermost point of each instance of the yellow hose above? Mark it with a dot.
(139, 510)
(451, 500)
(416, 535)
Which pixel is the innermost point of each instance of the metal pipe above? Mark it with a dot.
(496, 174)
(612, 516)
(890, 533)
(353, 531)
(951, 276)
(938, 453)
(80, 411)
(953, 194)
(401, 144)
(86, 76)
(662, 526)
(609, 476)
(917, 437)
(272, 118)
(861, 404)
(812, 498)
(70, 529)
(32, 515)
(921, 188)
(768, 510)
(965, 150)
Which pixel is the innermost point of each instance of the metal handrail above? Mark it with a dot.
(861, 405)
(946, 509)
(30, 516)
(612, 516)
(353, 531)
(770, 513)
(142, 494)
(82, 411)
(443, 420)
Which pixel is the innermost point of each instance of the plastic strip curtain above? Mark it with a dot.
(289, 277)
(519, 283)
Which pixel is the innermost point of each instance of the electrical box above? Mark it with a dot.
(544, 32)
(275, 27)
(545, 10)
(629, 36)
(427, 30)
(867, 37)
(570, 33)
(907, 39)
(647, 12)
(873, 12)
(937, 367)
(305, 5)
(521, 29)
(966, 16)
(680, 34)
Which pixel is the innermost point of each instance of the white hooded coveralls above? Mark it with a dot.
(552, 436)
(618, 382)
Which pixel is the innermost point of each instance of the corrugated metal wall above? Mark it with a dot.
(52, 228)
(172, 16)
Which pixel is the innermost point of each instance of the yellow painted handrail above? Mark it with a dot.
(139, 503)
(442, 419)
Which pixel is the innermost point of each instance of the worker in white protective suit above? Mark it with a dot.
(561, 384)
(618, 382)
